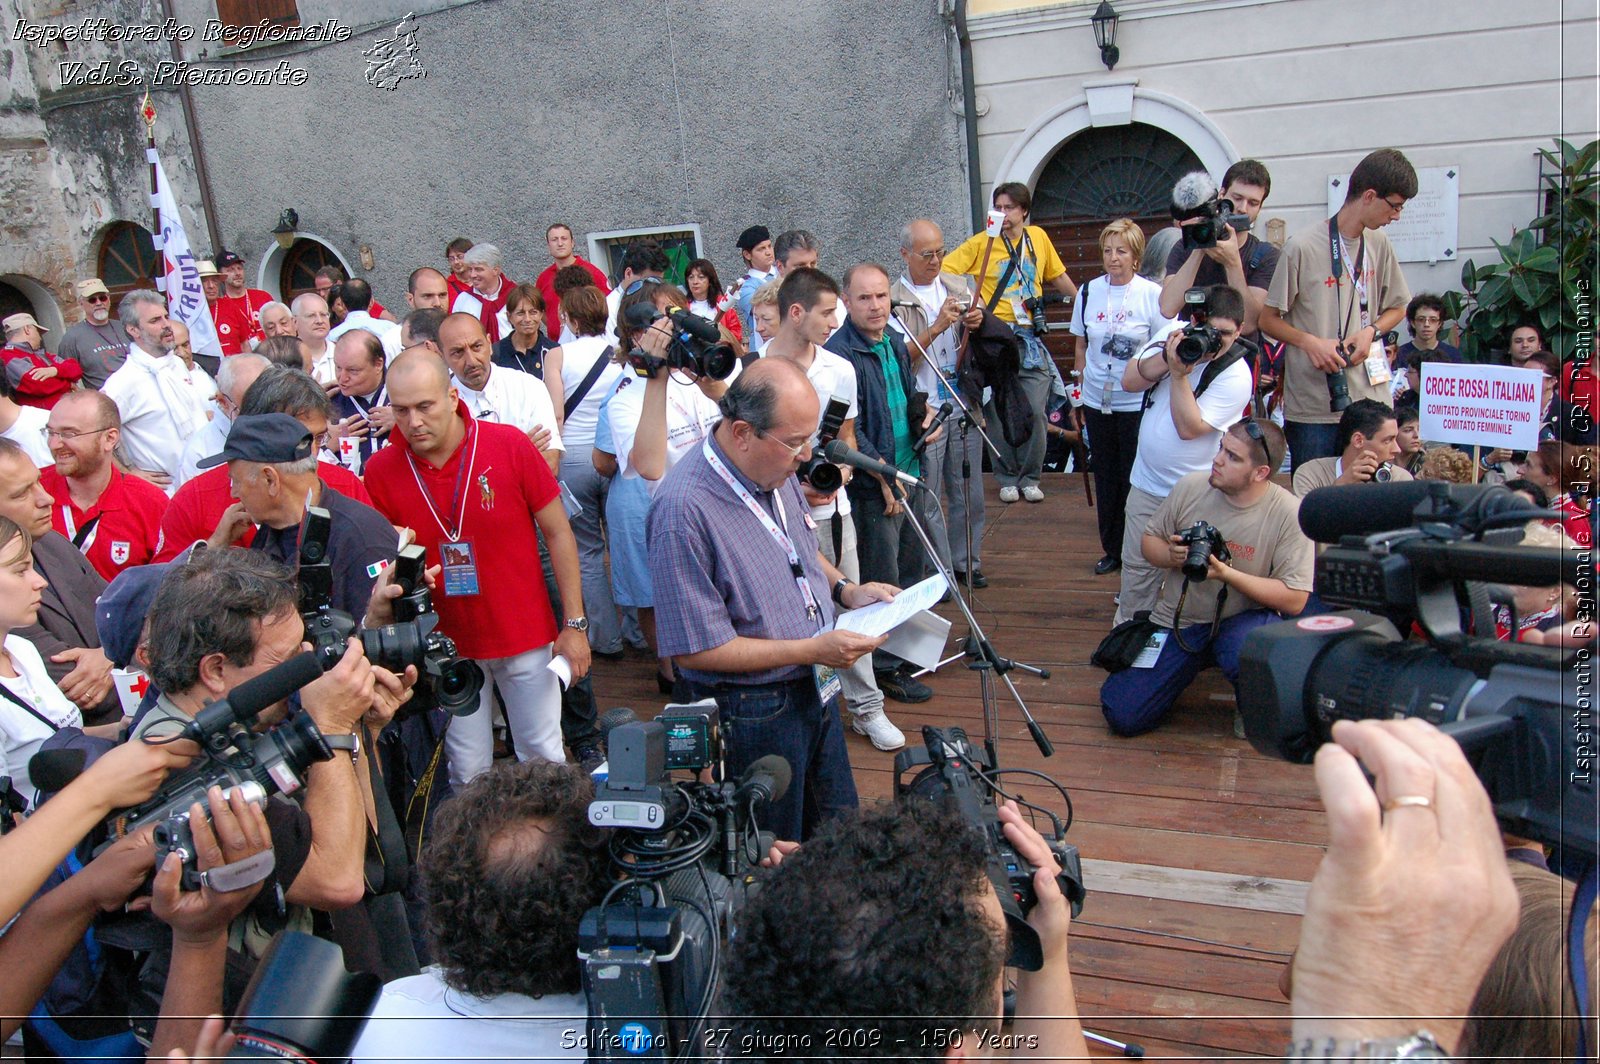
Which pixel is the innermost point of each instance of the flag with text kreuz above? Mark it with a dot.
(186, 300)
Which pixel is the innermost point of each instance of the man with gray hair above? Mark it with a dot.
(311, 321)
(97, 342)
(234, 377)
(275, 319)
(272, 462)
(154, 392)
(486, 300)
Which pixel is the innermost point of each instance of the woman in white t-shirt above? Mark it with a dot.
(705, 288)
(32, 707)
(588, 374)
(1116, 316)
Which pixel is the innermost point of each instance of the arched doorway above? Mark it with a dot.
(24, 294)
(12, 301)
(127, 259)
(297, 267)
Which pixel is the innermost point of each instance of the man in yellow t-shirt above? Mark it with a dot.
(1020, 262)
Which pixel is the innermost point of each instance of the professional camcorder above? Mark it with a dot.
(302, 1004)
(233, 757)
(959, 775)
(696, 345)
(444, 678)
(1424, 554)
(1195, 196)
(688, 852)
(816, 472)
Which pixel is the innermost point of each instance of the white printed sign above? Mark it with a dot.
(1495, 406)
(1426, 230)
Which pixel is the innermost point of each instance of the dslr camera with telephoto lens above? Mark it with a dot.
(1204, 542)
(816, 472)
(1200, 338)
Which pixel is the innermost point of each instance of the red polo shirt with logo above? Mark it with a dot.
(236, 320)
(197, 507)
(504, 484)
(122, 528)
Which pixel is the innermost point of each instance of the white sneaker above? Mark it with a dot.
(1032, 493)
(1008, 494)
(877, 727)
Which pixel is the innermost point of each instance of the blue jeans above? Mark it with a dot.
(1308, 442)
(1135, 701)
(786, 718)
(589, 488)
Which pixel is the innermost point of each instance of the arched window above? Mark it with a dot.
(301, 262)
(1102, 174)
(12, 301)
(128, 259)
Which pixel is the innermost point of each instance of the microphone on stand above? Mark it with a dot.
(945, 410)
(840, 453)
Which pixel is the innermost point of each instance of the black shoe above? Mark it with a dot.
(901, 686)
(588, 755)
(978, 579)
(1108, 564)
(609, 655)
(663, 684)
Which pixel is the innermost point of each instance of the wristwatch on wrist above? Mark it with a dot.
(1419, 1046)
(348, 741)
(838, 590)
(578, 624)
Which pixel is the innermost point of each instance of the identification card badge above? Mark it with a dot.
(1378, 365)
(828, 683)
(460, 568)
(1019, 313)
(1151, 652)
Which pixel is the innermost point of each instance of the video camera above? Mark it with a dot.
(1415, 553)
(816, 472)
(696, 345)
(688, 853)
(233, 757)
(956, 773)
(1195, 196)
(444, 678)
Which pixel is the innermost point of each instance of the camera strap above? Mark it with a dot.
(1216, 618)
(386, 866)
(1343, 269)
(11, 696)
(589, 378)
(779, 535)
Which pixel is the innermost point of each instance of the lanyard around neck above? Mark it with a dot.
(779, 535)
(458, 499)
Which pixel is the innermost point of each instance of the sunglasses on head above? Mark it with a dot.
(1253, 430)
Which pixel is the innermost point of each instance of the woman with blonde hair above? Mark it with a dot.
(1115, 317)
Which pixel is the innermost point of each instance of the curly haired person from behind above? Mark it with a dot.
(511, 866)
(885, 896)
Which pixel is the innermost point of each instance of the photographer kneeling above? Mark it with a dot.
(1244, 563)
(1368, 444)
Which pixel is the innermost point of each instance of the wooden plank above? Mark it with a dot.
(1258, 893)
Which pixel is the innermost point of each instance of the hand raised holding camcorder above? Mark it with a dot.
(235, 830)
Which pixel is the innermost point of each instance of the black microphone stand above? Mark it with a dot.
(986, 661)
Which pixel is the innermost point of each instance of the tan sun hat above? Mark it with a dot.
(92, 287)
(17, 321)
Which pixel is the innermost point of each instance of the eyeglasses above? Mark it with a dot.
(1393, 206)
(99, 297)
(70, 434)
(1253, 430)
(793, 449)
(930, 256)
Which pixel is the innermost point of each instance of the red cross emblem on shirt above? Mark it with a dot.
(1332, 282)
(140, 686)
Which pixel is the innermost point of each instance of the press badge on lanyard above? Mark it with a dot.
(827, 680)
(457, 555)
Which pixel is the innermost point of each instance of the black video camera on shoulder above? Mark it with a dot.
(959, 775)
(696, 345)
(444, 678)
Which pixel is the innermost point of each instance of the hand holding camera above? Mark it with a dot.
(341, 696)
(236, 830)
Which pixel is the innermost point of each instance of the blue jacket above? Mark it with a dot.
(874, 429)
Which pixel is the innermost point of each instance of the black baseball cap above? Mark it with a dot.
(266, 438)
(228, 258)
(756, 234)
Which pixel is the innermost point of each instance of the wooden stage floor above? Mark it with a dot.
(1196, 848)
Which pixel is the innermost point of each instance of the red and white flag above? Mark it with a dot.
(186, 300)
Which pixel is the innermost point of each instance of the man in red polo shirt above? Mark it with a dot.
(476, 493)
(205, 501)
(559, 239)
(112, 518)
(236, 308)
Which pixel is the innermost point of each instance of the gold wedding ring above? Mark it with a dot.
(1404, 800)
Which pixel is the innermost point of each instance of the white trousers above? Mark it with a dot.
(532, 696)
